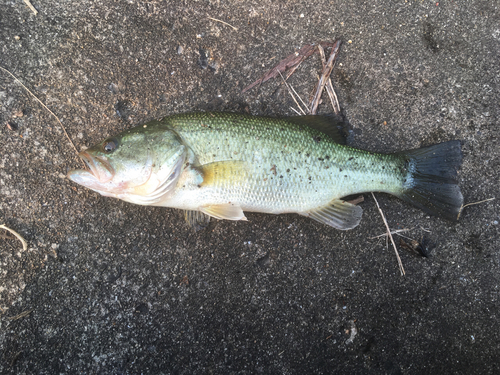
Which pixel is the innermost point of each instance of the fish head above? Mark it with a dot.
(140, 165)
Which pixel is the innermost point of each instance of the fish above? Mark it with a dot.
(221, 165)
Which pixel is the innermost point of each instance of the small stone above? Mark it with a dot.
(204, 58)
(180, 50)
(12, 126)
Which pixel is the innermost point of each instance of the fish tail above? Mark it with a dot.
(431, 180)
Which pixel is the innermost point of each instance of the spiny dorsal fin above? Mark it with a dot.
(196, 219)
(329, 125)
(227, 211)
(338, 214)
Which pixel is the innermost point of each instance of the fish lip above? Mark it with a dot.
(99, 167)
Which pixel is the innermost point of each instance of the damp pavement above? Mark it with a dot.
(106, 287)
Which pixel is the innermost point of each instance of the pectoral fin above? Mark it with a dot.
(196, 219)
(227, 211)
(224, 173)
(338, 214)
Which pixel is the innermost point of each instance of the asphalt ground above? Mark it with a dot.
(107, 287)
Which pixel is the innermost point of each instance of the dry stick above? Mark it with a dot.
(27, 2)
(331, 93)
(329, 86)
(324, 77)
(471, 204)
(19, 237)
(44, 106)
(225, 23)
(390, 235)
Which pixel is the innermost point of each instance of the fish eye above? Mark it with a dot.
(110, 145)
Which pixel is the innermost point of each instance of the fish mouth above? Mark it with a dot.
(99, 167)
(100, 171)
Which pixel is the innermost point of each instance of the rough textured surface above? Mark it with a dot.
(114, 288)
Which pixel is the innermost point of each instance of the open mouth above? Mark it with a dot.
(99, 167)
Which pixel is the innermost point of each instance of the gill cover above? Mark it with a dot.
(141, 165)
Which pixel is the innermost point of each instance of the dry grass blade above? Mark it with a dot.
(22, 315)
(44, 106)
(292, 61)
(471, 204)
(329, 86)
(397, 231)
(401, 268)
(225, 23)
(19, 237)
(292, 95)
(327, 70)
(298, 96)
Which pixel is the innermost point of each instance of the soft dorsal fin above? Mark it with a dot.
(329, 125)
(227, 211)
(338, 214)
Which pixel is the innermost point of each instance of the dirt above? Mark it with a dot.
(110, 287)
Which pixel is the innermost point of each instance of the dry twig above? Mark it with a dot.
(329, 86)
(327, 70)
(390, 236)
(291, 62)
(19, 237)
(44, 106)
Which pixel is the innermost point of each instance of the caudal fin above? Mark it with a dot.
(431, 183)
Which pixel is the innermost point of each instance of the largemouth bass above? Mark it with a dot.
(222, 164)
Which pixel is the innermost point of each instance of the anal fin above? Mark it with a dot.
(338, 214)
(196, 219)
(225, 211)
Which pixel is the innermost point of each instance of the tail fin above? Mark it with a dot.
(431, 183)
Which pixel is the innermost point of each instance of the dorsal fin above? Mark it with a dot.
(330, 125)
